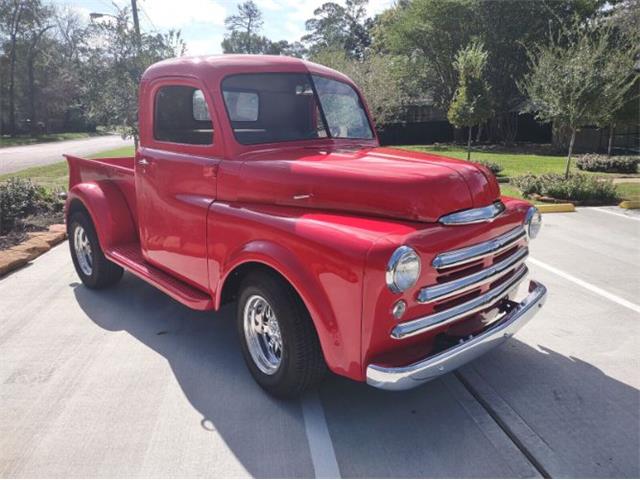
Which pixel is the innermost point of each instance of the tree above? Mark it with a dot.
(335, 27)
(42, 17)
(568, 77)
(471, 104)
(114, 65)
(30, 46)
(379, 76)
(618, 78)
(16, 16)
(431, 32)
(618, 103)
(243, 28)
(237, 42)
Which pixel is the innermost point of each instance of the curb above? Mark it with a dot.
(556, 208)
(37, 244)
(630, 204)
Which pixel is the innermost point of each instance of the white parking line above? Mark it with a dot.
(617, 214)
(587, 285)
(323, 456)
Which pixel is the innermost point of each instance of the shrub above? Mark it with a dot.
(496, 168)
(18, 199)
(578, 187)
(592, 162)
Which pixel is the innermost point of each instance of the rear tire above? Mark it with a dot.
(92, 266)
(277, 336)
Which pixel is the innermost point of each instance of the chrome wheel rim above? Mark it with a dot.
(83, 250)
(262, 333)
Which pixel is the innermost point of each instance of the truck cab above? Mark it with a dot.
(259, 180)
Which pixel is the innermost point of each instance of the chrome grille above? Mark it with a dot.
(475, 280)
(506, 270)
(480, 251)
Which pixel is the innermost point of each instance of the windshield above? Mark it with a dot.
(280, 107)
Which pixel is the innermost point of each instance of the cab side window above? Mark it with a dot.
(182, 116)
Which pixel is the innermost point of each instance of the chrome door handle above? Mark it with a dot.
(144, 162)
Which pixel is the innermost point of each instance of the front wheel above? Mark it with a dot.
(92, 266)
(278, 339)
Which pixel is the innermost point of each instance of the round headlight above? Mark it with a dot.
(403, 269)
(533, 222)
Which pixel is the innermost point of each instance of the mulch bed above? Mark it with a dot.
(31, 236)
(39, 222)
(11, 239)
(32, 245)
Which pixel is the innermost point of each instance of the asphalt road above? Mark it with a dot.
(13, 159)
(127, 382)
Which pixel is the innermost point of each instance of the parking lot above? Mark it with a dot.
(127, 382)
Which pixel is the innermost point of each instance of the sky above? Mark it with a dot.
(202, 21)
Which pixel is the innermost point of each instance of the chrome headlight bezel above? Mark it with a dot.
(402, 256)
(533, 222)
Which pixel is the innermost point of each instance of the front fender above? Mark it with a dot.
(308, 286)
(108, 209)
(322, 261)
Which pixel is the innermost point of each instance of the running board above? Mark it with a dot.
(129, 257)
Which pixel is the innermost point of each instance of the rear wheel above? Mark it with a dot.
(92, 266)
(279, 342)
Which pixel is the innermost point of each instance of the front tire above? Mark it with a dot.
(277, 336)
(92, 266)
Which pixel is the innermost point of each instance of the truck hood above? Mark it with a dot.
(370, 181)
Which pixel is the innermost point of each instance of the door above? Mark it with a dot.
(176, 171)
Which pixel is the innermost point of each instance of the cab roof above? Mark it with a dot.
(213, 68)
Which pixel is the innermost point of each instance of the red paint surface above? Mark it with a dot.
(196, 213)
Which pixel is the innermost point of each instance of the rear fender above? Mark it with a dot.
(108, 209)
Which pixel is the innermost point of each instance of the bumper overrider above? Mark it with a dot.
(427, 369)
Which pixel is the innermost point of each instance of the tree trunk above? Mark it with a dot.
(12, 94)
(571, 142)
(479, 133)
(15, 23)
(31, 83)
(612, 129)
(469, 145)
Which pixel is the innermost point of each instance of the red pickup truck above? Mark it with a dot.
(259, 180)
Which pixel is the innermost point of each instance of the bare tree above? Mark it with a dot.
(247, 21)
(11, 14)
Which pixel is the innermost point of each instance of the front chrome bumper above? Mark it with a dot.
(402, 378)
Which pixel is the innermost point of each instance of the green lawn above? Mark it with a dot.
(117, 152)
(629, 191)
(56, 175)
(7, 141)
(517, 163)
(52, 177)
(513, 163)
(510, 191)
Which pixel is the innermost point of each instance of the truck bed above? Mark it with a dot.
(119, 170)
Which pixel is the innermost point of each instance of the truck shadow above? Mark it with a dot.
(265, 434)
(426, 432)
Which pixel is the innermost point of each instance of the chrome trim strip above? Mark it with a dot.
(402, 378)
(464, 284)
(474, 215)
(435, 320)
(480, 250)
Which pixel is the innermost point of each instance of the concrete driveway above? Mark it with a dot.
(127, 382)
(13, 159)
